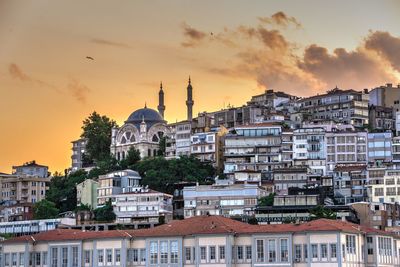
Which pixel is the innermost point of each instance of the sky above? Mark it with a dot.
(231, 49)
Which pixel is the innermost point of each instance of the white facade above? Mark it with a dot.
(204, 146)
(387, 190)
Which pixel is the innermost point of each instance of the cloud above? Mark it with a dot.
(16, 72)
(280, 19)
(78, 90)
(110, 43)
(357, 69)
(193, 36)
(386, 45)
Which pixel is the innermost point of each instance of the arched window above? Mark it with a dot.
(118, 156)
(123, 154)
(149, 152)
(155, 138)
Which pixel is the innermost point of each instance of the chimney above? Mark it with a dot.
(389, 85)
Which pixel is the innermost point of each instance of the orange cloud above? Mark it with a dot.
(110, 43)
(193, 36)
(386, 45)
(78, 90)
(280, 19)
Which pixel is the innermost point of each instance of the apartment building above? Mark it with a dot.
(31, 169)
(22, 188)
(386, 96)
(345, 106)
(286, 178)
(115, 183)
(255, 147)
(178, 139)
(309, 146)
(221, 199)
(86, 193)
(350, 183)
(236, 116)
(205, 146)
(380, 147)
(78, 154)
(345, 147)
(209, 241)
(145, 206)
(381, 118)
(382, 216)
(386, 189)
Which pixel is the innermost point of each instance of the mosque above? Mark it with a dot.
(145, 127)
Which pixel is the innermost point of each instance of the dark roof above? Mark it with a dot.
(31, 164)
(150, 116)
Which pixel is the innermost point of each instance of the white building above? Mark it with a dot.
(221, 199)
(210, 241)
(386, 190)
(144, 206)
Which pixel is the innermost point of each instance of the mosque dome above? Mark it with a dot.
(148, 115)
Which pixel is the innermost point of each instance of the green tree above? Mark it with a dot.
(62, 190)
(45, 209)
(321, 212)
(252, 220)
(105, 213)
(267, 200)
(97, 130)
(162, 146)
(132, 157)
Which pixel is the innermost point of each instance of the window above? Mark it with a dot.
(351, 244)
(14, 259)
(314, 251)
(222, 252)
(7, 259)
(203, 253)
(333, 251)
(22, 259)
(248, 252)
(37, 259)
(135, 255)
(75, 256)
(87, 256)
(212, 253)
(143, 255)
(117, 256)
(260, 250)
(174, 251)
(370, 245)
(54, 257)
(64, 257)
(297, 253)
(100, 256)
(164, 252)
(305, 251)
(284, 250)
(324, 251)
(188, 254)
(271, 250)
(240, 253)
(153, 252)
(109, 255)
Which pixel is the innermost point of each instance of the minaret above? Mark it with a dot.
(161, 106)
(189, 101)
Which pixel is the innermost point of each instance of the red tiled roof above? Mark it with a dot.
(200, 225)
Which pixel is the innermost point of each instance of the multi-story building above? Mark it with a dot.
(22, 188)
(270, 99)
(350, 183)
(221, 199)
(386, 189)
(286, 178)
(346, 106)
(115, 183)
(386, 96)
(309, 147)
(209, 241)
(382, 216)
(16, 212)
(86, 193)
(345, 147)
(31, 169)
(247, 176)
(254, 147)
(380, 147)
(233, 117)
(78, 154)
(144, 206)
(178, 139)
(381, 118)
(396, 151)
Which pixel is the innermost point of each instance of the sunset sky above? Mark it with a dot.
(231, 49)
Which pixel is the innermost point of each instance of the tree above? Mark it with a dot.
(62, 190)
(105, 213)
(162, 146)
(132, 157)
(45, 209)
(252, 220)
(321, 212)
(267, 200)
(97, 130)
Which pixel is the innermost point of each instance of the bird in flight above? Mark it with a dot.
(90, 58)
